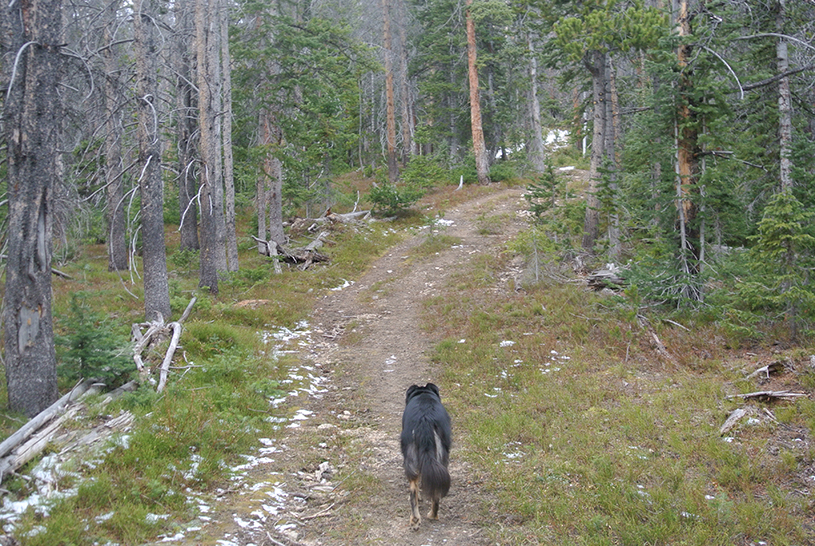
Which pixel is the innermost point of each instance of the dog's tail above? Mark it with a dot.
(433, 461)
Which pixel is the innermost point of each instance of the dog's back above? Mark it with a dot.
(426, 440)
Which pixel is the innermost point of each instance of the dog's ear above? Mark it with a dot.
(433, 388)
(410, 391)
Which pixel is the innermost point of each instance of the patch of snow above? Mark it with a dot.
(344, 285)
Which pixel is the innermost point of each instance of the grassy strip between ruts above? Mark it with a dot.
(589, 436)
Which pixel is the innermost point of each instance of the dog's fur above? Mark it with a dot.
(426, 439)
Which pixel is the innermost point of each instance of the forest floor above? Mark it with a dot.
(336, 477)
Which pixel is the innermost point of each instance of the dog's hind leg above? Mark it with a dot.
(415, 517)
(434, 509)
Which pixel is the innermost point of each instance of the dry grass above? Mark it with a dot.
(595, 438)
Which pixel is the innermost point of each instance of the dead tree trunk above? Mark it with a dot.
(393, 166)
(31, 119)
(482, 164)
(151, 185)
(591, 225)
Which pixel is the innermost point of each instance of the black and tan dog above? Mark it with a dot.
(426, 437)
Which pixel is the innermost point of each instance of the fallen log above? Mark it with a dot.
(301, 256)
(350, 216)
(732, 420)
(605, 278)
(27, 442)
(769, 395)
(43, 417)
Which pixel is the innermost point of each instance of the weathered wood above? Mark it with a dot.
(33, 437)
(350, 216)
(605, 278)
(269, 246)
(158, 329)
(121, 422)
(734, 417)
(187, 311)
(168, 358)
(36, 444)
(769, 395)
(771, 368)
(43, 417)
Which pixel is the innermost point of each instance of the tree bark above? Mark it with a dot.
(151, 185)
(229, 178)
(597, 67)
(213, 227)
(393, 166)
(186, 129)
(404, 86)
(31, 117)
(610, 152)
(537, 154)
(687, 152)
(784, 105)
(114, 168)
(482, 164)
(270, 185)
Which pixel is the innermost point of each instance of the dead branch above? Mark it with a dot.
(765, 371)
(187, 311)
(168, 358)
(302, 256)
(734, 417)
(156, 333)
(350, 216)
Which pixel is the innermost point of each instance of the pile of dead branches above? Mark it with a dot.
(303, 257)
(149, 335)
(47, 427)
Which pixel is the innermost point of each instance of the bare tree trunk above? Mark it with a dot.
(229, 178)
(185, 129)
(270, 184)
(114, 168)
(151, 186)
(687, 140)
(213, 240)
(687, 165)
(407, 103)
(610, 152)
(591, 223)
(482, 164)
(784, 105)
(31, 121)
(393, 167)
(537, 154)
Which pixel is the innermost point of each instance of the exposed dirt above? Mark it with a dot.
(339, 474)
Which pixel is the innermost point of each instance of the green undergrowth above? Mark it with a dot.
(593, 438)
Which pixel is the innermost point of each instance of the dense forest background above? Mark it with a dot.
(696, 121)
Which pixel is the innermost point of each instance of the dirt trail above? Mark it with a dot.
(367, 344)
